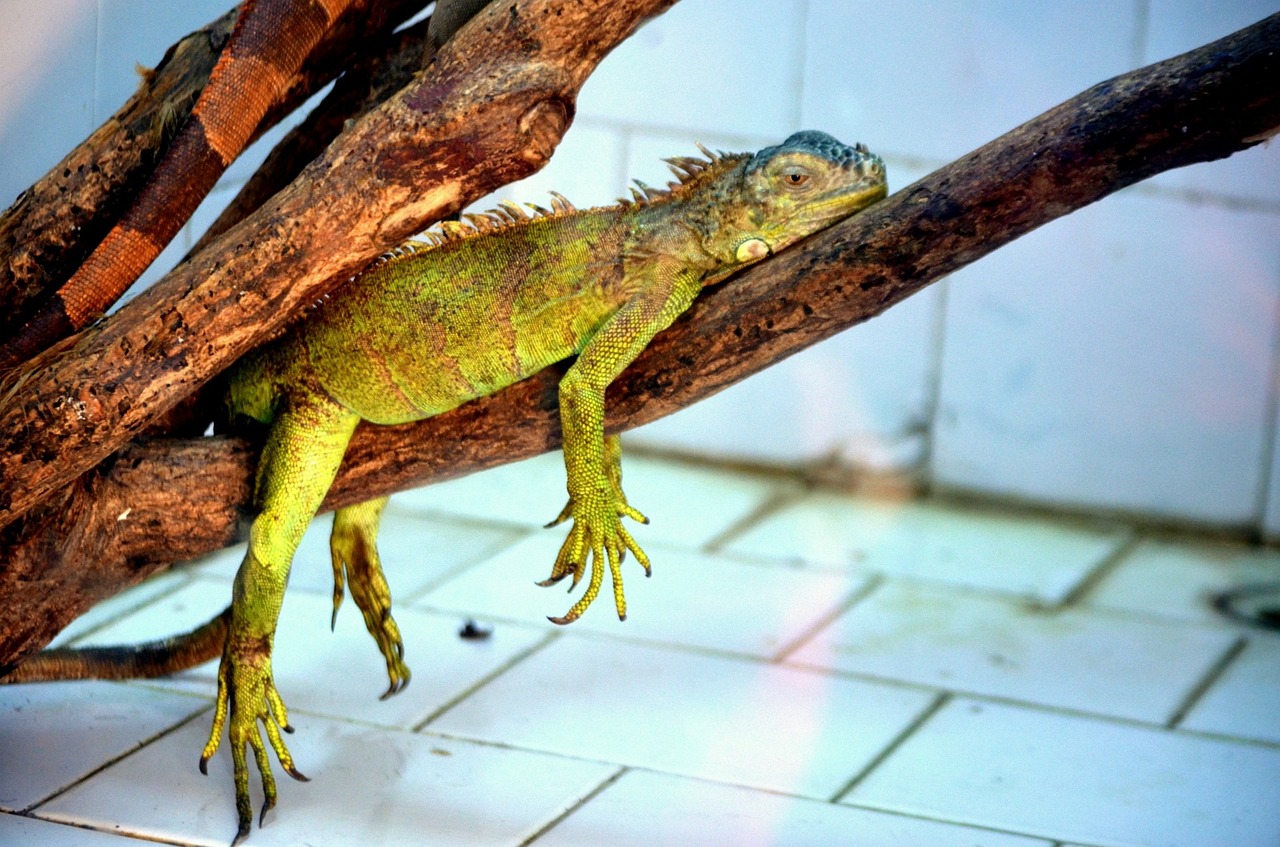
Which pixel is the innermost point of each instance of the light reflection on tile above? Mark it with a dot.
(964, 641)
(1079, 779)
(722, 719)
(979, 548)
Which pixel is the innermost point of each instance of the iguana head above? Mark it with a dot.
(789, 191)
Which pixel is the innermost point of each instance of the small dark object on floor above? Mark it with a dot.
(471, 631)
(1257, 604)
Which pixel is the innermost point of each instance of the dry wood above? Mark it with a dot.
(375, 77)
(491, 110)
(1200, 106)
(52, 227)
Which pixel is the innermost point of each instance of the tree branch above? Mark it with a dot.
(1202, 105)
(491, 110)
(56, 223)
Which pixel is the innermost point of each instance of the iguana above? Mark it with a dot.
(482, 304)
(268, 45)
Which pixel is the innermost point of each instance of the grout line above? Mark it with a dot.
(938, 702)
(183, 579)
(1035, 706)
(933, 390)
(411, 599)
(775, 502)
(1210, 678)
(800, 58)
(855, 597)
(957, 821)
(1267, 459)
(486, 679)
(584, 800)
(1141, 33)
(124, 834)
(1099, 572)
(146, 742)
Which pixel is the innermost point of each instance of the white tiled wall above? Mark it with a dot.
(1120, 358)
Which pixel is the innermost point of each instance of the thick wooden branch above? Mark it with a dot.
(53, 225)
(1203, 105)
(375, 77)
(490, 110)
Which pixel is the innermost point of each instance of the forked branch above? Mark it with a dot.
(173, 499)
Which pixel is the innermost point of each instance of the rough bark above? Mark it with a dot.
(374, 78)
(490, 110)
(52, 226)
(1200, 106)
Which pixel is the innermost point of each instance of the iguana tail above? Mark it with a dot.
(127, 661)
(266, 49)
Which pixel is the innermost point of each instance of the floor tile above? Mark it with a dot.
(52, 734)
(367, 787)
(416, 551)
(1178, 579)
(129, 600)
(16, 830)
(692, 812)
(341, 674)
(1080, 779)
(1085, 660)
(1027, 556)
(527, 493)
(723, 719)
(685, 505)
(692, 598)
(1242, 702)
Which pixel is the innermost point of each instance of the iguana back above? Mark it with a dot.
(429, 327)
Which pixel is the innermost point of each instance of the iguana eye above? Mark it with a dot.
(795, 177)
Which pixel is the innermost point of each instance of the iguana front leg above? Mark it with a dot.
(353, 545)
(592, 462)
(299, 462)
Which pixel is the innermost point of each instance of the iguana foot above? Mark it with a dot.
(597, 531)
(247, 695)
(353, 547)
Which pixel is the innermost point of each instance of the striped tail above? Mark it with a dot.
(266, 49)
(132, 661)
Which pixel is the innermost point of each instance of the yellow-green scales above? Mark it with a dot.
(479, 306)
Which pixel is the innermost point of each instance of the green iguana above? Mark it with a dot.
(430, 326)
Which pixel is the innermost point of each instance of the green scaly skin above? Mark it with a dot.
(480, 307)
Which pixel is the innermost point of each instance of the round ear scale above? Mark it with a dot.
(751, 250)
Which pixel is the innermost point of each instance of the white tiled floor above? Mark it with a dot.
(830, 671)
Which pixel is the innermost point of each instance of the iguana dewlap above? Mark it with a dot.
(479, 306)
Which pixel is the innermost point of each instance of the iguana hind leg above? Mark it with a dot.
(353, 545)
(298, 464)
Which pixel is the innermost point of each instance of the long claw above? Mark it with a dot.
(353, 548)
(551, 580)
